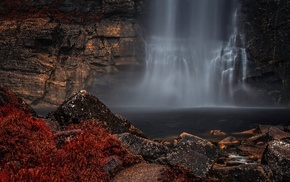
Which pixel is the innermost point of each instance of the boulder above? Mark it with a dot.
(148, 149)
(228, 142)
(254, 146)
(217, 132)
(193, 153)
(189, 152)
(276, 132)
(259, 138)
(145, 172)
(262, 129)
(241, 173)
(253, 151)
(277, 157)
(246, 132)
(85, 106)
(141, 172)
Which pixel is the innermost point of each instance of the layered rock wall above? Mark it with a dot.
(267, 27)
(53, 48)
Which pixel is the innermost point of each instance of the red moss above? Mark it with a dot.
(28, 151)
(26, 145)
(92, 148)
(10, 102)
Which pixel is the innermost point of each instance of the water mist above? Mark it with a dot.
(195, 55)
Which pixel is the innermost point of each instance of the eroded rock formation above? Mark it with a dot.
(53, 48)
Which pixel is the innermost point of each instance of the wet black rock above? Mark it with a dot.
(190, 152)
(193, 153)
(275, 132)
(266, 25)
(255, 152)
(228, 142)
(217, 132)
(254, 146)
(277, 157)
(258, 138)
(85, 106)
(148, 149)
(241, 173)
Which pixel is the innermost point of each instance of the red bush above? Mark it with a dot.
(26, 146)
(10, 102)
(87, 153)
(28, 151)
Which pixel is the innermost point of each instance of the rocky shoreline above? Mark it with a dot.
(261, 154)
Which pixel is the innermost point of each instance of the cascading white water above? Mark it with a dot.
(195, 54)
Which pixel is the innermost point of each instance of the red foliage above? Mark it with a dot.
(26, 146)
(10, 102)
(87, 153)
(28, 151)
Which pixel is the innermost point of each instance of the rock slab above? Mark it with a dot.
(194, 153)
(85, 106)
(241, 173)
(277, 157)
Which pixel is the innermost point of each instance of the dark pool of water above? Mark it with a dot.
(164, 123)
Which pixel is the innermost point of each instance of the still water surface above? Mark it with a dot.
(198, 121)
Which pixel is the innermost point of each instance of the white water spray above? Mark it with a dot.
(195, 55)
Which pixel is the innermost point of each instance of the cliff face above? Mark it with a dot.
(53, 48)
(267, 27)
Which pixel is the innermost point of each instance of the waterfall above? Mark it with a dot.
(195, 55)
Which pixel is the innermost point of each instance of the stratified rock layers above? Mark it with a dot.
(48, 55)
(53, 48)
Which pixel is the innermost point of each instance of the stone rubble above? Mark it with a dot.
(264, 156)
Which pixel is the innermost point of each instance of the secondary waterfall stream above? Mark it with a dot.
(194, 55)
